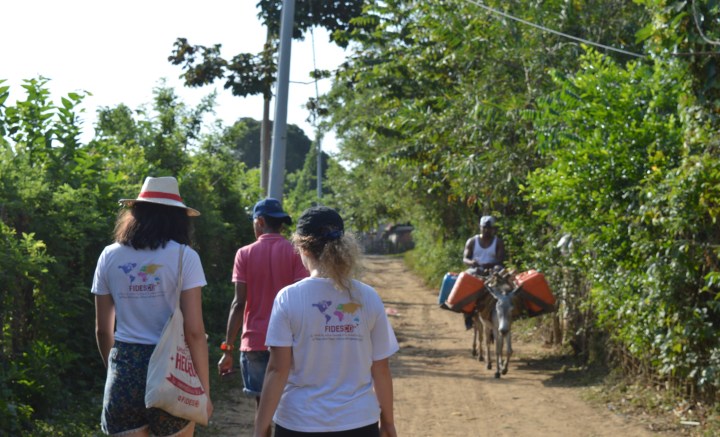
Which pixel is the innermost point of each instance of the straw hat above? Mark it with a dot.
(162, 190)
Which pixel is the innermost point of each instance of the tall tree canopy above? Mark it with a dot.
(251, 74)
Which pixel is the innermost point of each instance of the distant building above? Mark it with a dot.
(392, 238)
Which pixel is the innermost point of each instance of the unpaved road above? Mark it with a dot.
(442, 391)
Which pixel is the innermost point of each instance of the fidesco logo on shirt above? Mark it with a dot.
(142, 280)
(342, 319)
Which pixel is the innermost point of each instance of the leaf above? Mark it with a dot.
(644, 33)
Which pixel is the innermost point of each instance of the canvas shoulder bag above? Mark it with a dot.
(172, 383)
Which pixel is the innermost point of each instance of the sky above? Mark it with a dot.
(118, 52)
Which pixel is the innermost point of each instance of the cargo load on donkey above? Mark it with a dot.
(461, 292)
(484, 256)
(447, 284)
(465, 292)
(535, 293)
(491, 302)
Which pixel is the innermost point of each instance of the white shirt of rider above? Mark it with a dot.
(485, 255)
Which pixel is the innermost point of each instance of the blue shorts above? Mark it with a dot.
(253, 365)
(124, 401)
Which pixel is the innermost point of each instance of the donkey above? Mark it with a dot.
(495, 312)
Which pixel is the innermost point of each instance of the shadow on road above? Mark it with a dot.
(564, 370)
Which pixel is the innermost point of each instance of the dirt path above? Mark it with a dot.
(441, 391)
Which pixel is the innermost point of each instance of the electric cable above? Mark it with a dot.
(565, 35)
(697, 25)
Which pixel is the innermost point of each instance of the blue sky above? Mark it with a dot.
(118, 51)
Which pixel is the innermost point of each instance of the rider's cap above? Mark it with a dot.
(487, 221)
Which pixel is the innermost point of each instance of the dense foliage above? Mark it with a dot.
(600, 163)
(58, 204)
(602, 166)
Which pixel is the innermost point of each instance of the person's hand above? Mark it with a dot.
(257, 432)
(388, 430)
(210, 408)
(225, 365)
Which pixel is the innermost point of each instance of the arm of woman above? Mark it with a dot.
(104, 325)
(276, 377)
(382, 383)
(191, 307)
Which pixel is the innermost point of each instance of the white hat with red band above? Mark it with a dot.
(163, 190)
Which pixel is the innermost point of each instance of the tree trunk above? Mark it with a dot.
(265, 146)
(265, 135)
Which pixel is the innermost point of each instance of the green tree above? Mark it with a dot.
(251, 74)
(47, 181)
(433, 95)
(244, 134)
(302, 192)
(58, 202)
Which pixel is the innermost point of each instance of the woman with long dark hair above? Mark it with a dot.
(135, 287)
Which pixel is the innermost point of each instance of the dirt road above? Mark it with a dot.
(442, 391)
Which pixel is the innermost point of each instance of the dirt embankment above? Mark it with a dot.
(442, 391)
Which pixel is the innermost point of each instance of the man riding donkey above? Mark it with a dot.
(483, 253)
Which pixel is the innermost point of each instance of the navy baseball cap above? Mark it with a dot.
(272, 208)
(321, 221)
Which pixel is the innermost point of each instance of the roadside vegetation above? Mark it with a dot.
(600, 161)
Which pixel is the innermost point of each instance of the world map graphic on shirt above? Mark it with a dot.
(146, 273)
(340, 311)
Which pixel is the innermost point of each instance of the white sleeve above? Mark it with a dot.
(193, 273)
(382, 335)
(100, 285)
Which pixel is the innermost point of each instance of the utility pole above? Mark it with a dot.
(318, 134)
(279, 138)
(318, 141)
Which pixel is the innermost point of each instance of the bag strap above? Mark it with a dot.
(180, 272)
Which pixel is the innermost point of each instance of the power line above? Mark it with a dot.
(565, 35)
(699, 29)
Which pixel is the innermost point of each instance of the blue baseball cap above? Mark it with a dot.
(272, 208)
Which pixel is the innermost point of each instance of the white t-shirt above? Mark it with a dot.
(143, 285)
(487, 255)
(334, 342)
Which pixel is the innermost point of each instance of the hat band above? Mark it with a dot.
(160, 195)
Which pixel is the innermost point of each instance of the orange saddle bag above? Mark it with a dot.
(535, 292)
(465, 293)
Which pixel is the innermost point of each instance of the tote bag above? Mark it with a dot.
(172, 383)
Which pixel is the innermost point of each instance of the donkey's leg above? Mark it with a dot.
(478, 329)
(475, 339)
(498, 353)
(508, 354)
(488, 338)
